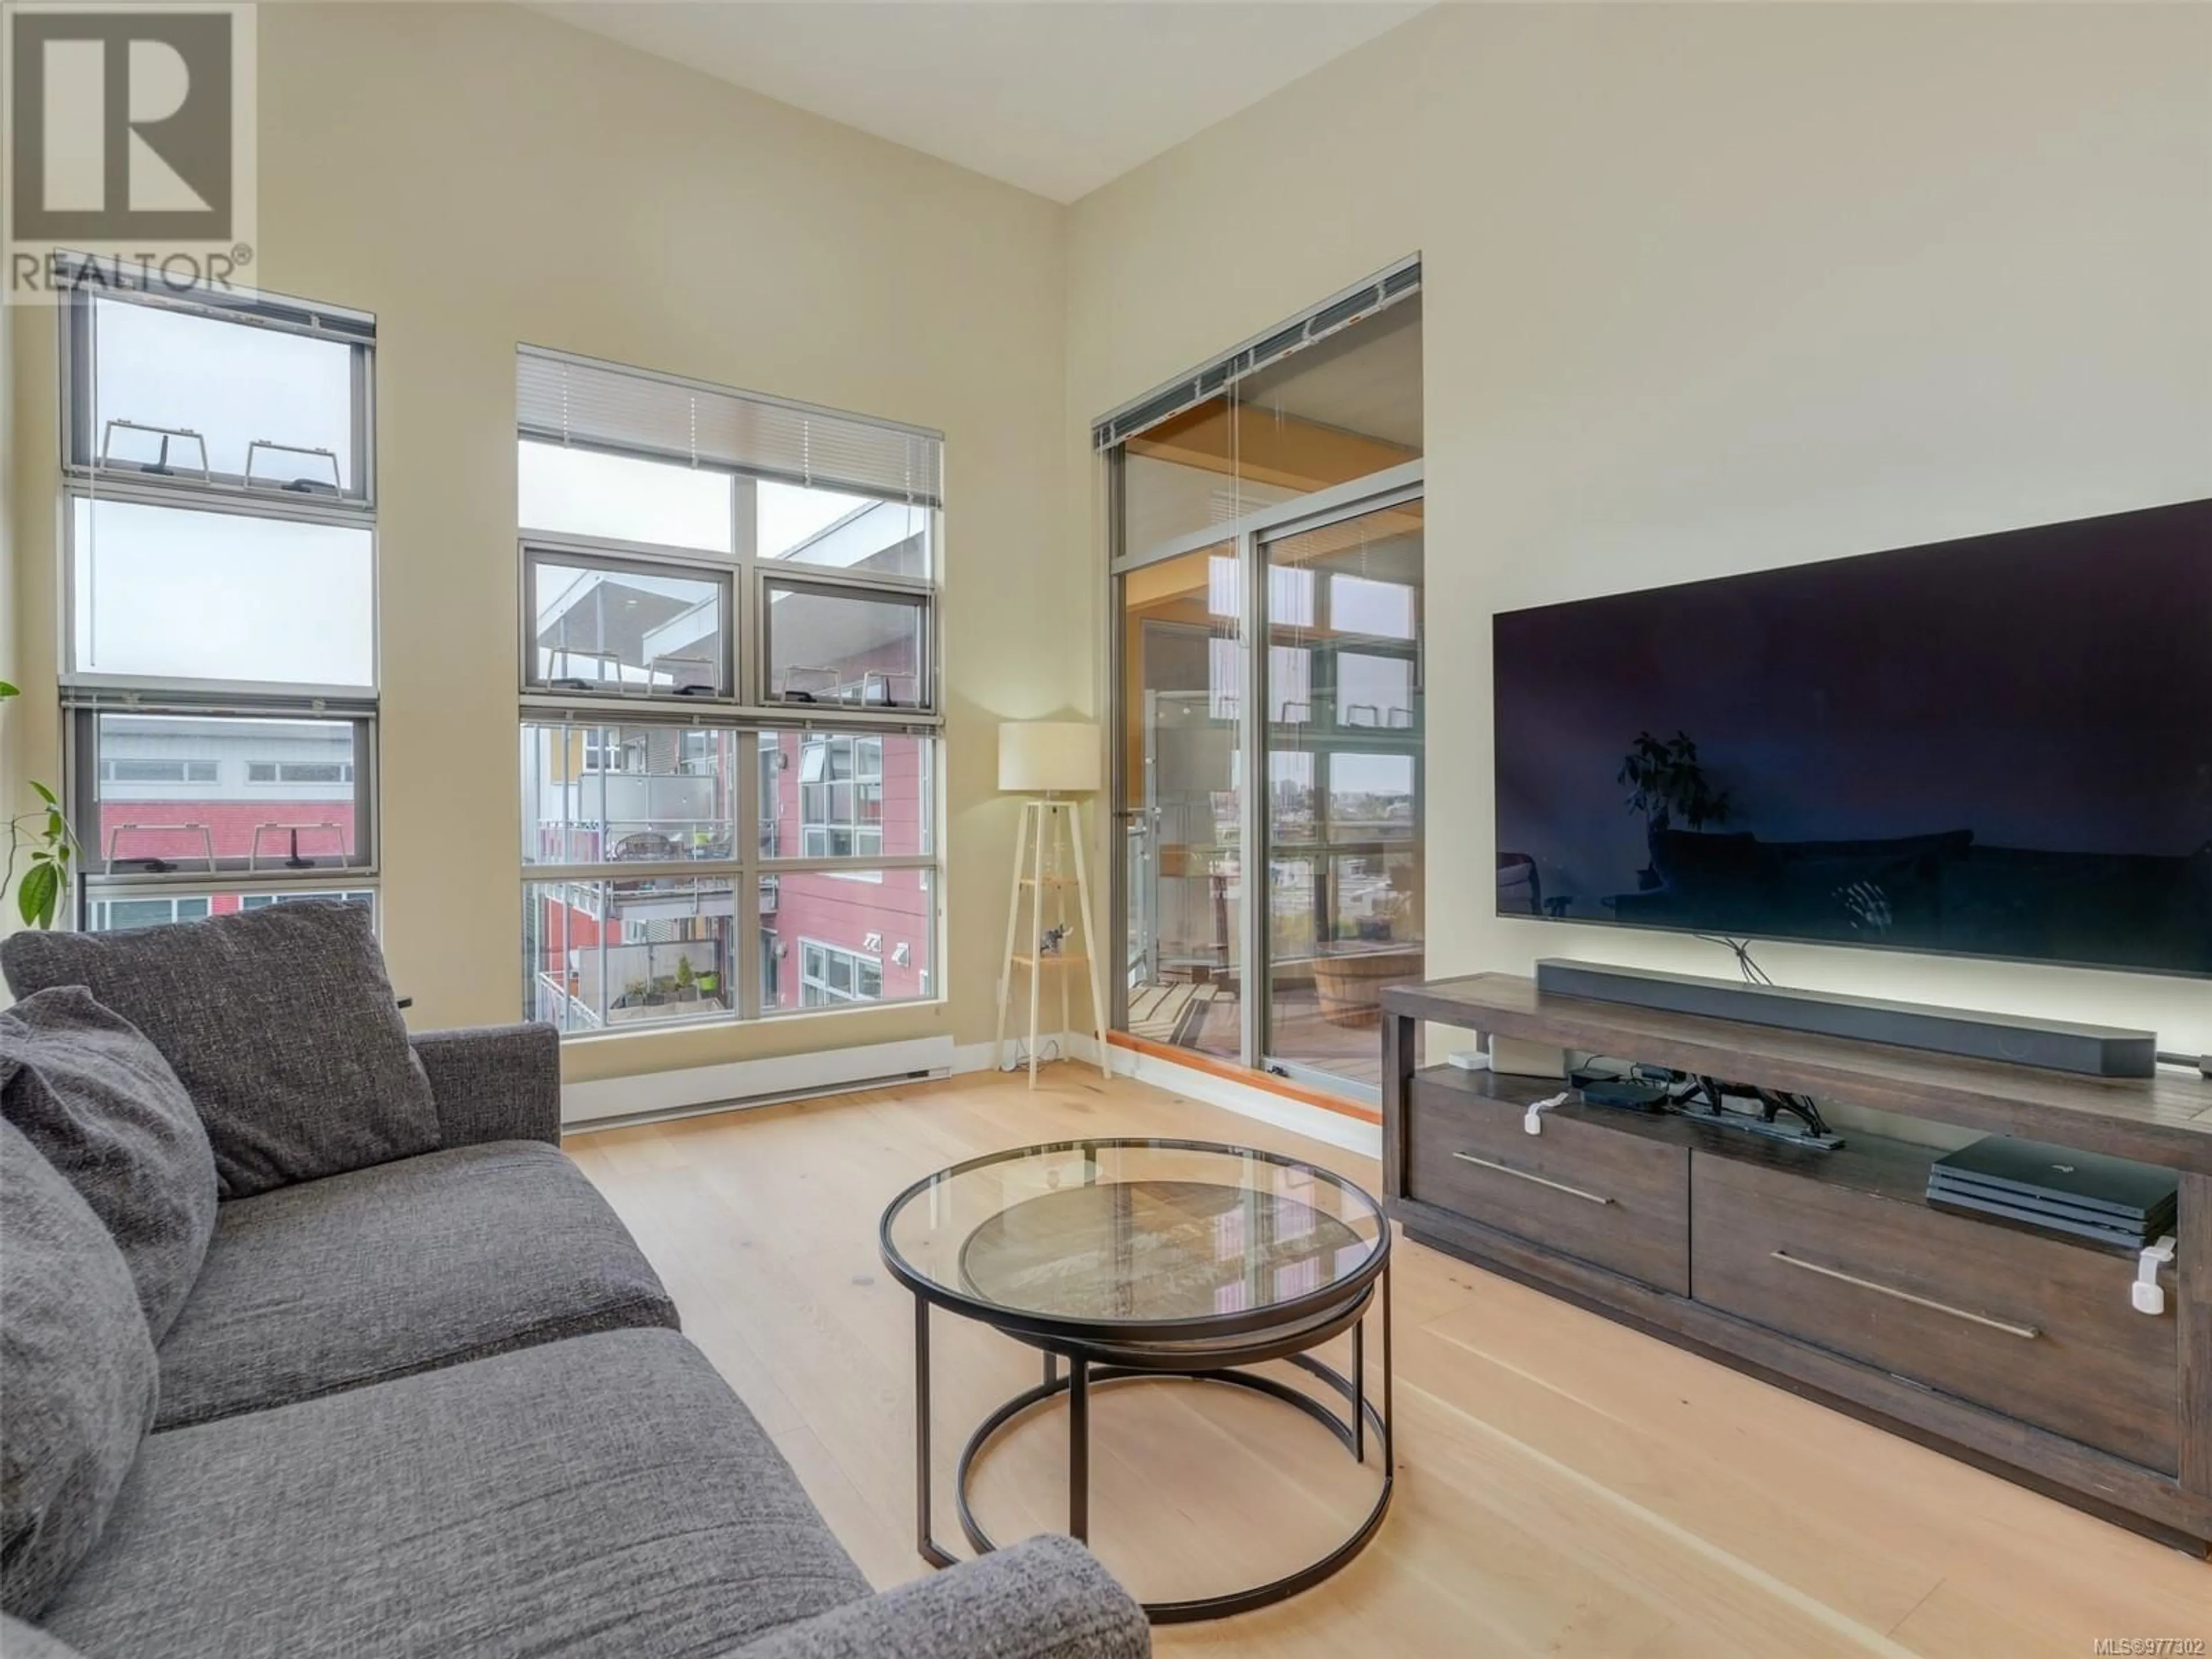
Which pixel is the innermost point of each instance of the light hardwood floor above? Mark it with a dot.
(1566, 1485)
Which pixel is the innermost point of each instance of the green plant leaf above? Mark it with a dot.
(45, 793)
(39, 895)
(8, 690)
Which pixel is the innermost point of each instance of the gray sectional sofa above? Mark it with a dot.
(316, 1344)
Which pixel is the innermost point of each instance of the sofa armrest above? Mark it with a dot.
(494, 1082)
(1046, 1598)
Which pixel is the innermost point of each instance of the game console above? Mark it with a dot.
(2057, 1189)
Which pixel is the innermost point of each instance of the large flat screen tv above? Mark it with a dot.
(1996, 747)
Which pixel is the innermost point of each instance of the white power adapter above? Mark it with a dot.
(2147, 1293)
(1531, 1120)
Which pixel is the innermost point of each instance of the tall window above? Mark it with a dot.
(730, 716)
(219, 582)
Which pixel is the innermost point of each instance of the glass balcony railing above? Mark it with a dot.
(630, 841)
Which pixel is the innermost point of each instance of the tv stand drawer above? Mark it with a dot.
(1581, 1188)
(2039, 1330)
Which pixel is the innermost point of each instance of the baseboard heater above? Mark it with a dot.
(2054, 1045)
(616, 1100)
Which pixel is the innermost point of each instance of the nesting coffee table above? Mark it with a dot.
(1133, 1260)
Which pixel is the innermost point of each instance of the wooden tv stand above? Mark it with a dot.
(1828, 1273)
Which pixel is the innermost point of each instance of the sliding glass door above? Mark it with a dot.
(1291, 746)
(1343, 742)
(1181, 810)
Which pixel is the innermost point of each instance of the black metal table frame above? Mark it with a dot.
(1206, 1351)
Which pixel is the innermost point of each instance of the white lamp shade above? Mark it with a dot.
(1039, 757)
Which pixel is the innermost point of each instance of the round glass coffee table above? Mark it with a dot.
(1150, 1258)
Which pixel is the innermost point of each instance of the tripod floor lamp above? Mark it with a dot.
(1050, 762)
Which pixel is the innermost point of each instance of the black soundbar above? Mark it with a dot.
(2052, 1045)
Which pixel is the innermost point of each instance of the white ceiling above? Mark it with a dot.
(1057, 96)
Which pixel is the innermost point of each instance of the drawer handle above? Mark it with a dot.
(2004, 1324)
(1522, 1175)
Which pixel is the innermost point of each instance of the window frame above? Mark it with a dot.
(599, 739)
(84, 781)
(591, 897)
(192, 499)
(86, 696)
(741, 706)
(745, 690)
(258, 888)
(746, 866)
(279, 313)
(635, 559)
(84, 478)
(907, 591)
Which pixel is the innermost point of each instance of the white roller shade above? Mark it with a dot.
(572, 400)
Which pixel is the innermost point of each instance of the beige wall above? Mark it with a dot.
(478, 176)
(29, 725)
(1710, 290)
(14, 721)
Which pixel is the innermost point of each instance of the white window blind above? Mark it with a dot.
(571, 400)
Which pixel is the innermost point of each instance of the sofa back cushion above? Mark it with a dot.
(279, 1022)
(88, 1090)
(76, 1371)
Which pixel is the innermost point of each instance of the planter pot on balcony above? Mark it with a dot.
(1349, 986)
(656, 999)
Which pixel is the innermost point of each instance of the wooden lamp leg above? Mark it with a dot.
(1036, 947)
(1013, 933)
(1096, 966)
(1059, 919)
